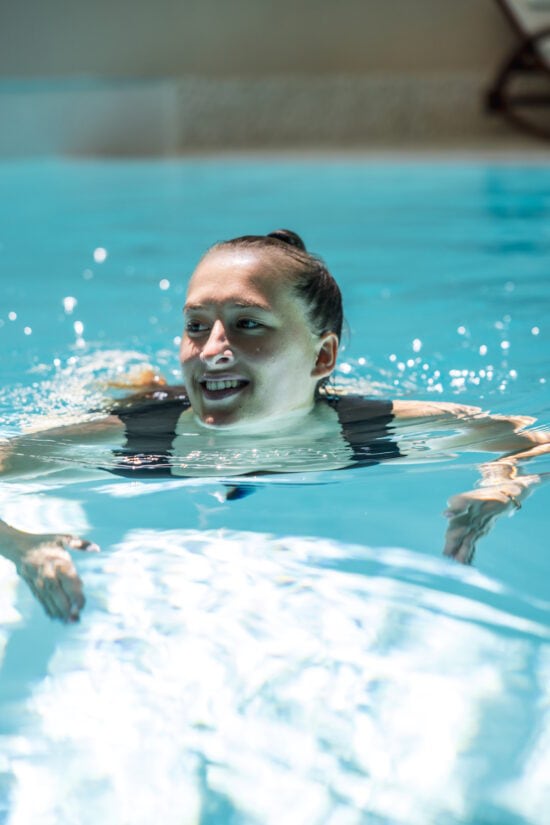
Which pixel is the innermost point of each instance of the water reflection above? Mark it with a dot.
(286, 680)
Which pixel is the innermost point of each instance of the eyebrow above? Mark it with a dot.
(234, 304)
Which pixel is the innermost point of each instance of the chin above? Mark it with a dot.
(222, 420)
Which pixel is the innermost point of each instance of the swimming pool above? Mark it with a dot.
(304, 654)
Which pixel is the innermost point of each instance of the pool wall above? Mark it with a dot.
(118, 79)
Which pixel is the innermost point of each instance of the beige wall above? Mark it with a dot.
(247, 38)
(169, 76)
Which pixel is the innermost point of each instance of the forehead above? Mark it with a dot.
(241, 276)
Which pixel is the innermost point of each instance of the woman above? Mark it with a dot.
(263, 321)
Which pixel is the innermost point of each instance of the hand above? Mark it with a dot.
(140, 376)
(472, 514)
(44, 563)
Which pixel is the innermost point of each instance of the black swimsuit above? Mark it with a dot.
(150, 421)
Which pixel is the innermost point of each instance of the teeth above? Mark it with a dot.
(212, 386)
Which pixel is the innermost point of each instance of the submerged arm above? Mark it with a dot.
(43, 561)
(503, 486)
(29, 453)
(502, 489)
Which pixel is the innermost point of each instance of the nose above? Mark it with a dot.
(217, 349)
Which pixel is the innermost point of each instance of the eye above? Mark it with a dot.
(194, 327)
(249, 324)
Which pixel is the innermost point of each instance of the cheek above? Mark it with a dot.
(187, 351)
(293, 364)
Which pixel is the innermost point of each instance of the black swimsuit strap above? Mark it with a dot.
(366, 426)
(150, 421)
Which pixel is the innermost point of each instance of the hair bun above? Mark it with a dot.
(289, 237)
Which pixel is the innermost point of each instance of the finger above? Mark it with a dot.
(41, 594)
(65, 588)
(48, 590)
(460, 545)
(72, 588)
(76, 543)
(58, 601)
(467, 548)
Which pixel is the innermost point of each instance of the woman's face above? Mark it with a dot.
(248, 353)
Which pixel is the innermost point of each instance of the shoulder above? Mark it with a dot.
(364, 407)
(405, 409)
(350, 407)
(155, 412)
(447, 411)
(87, 429)
(159, 395)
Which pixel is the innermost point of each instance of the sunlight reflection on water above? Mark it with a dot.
(295, 680)
(234, 677)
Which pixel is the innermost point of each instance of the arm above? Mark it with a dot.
(30, 452)
(43, 562)
(42, 559)
(503, 487)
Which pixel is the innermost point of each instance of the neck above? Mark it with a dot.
(285, 422)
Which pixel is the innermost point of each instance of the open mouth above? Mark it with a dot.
(220, 388)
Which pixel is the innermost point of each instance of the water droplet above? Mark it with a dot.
(100, 254)
(483, 349)
(69, 303)
(12, 316)
(78, 327)
(417, 345)
(28, 330)
(164, 284)
(535, 330)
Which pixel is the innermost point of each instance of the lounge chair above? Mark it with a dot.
(521, 88)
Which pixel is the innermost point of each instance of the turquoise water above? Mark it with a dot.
(305, 654)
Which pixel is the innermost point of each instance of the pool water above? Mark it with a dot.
(304, 654)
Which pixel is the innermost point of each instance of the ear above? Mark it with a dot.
(327, 354)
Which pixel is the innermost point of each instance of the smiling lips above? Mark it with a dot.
(221, 387)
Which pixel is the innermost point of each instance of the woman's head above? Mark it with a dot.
(307, 274)
(263, 320)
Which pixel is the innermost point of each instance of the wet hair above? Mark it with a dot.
(311, 279)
